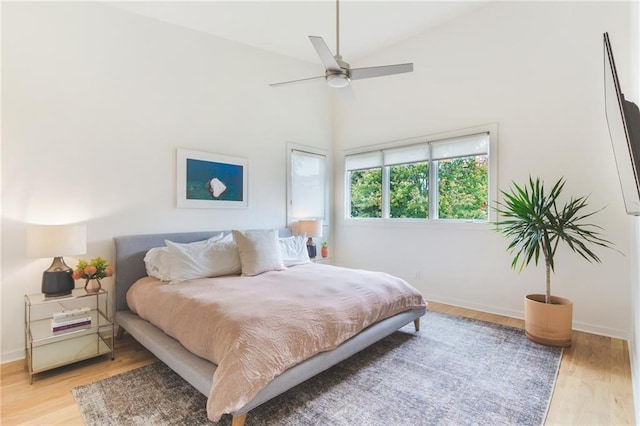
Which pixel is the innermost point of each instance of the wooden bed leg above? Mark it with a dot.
(120, 333)
(416, 324)
(239, 420)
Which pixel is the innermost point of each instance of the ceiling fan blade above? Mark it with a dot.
(347, 93)
(370, 72)
(323, 51)
(284, 83)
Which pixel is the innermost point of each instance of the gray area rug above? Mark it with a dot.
(455, 371)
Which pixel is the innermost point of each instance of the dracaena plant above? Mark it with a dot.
(535, 224)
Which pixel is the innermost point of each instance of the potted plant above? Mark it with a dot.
(92, 272)
(324, 250)
(535, 224)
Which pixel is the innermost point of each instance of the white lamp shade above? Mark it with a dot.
(56, 240)
(311, 227)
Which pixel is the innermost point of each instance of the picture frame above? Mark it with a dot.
(211, 181)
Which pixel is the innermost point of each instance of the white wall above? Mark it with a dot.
(95, 102)
(535, 69)
(634, 340)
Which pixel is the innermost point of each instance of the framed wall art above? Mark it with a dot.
(207, 180)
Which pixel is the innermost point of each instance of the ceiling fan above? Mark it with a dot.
(338, 74)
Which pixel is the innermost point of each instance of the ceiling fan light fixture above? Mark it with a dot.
(337, 81)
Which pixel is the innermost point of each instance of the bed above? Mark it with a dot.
(198, 371)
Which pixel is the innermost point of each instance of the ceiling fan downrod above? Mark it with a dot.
(337, 27)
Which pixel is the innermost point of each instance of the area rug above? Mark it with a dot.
(455, 371)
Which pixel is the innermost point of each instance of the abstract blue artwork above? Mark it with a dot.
(211, 180)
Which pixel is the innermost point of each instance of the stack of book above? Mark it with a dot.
(70, 319)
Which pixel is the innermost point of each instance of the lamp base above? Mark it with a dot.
(57, 280)
(311, 248)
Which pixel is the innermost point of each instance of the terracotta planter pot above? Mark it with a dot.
(324, 251)
(548, 323)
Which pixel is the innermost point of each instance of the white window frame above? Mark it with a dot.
(490, 129)
(313, 151)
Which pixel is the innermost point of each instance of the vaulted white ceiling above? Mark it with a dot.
(284, 26)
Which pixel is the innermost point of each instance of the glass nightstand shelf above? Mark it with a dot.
(46, 349)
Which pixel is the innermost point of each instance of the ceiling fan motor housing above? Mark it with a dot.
(338, 78)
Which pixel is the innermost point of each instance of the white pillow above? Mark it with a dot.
(210, 258)
(156, 262)
(294, 250)
(259, 251)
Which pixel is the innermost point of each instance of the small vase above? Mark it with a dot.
(92, 286)
(324, 251)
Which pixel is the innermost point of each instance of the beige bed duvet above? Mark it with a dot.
(255, 328)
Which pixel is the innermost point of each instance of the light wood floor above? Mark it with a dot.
(593, 387)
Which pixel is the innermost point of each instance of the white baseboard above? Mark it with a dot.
(519, 314)
(476, 306)
(601, 331)
(11, 356)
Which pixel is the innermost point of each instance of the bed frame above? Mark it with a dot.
(130, 252)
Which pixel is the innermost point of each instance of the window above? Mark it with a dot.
(446, 178)
(307, 183)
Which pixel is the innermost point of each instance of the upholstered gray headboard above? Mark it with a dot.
(131, 249)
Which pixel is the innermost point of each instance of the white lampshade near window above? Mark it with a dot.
(56, 241)
(313, 228)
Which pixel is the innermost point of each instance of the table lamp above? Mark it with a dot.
(313, 228)
(56, 241)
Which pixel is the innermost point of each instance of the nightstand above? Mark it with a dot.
(46, 349)
(323, 260)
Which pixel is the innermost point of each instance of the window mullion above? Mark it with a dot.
(386, 200)
(433, 186)
(433, 190)
(347, 194)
